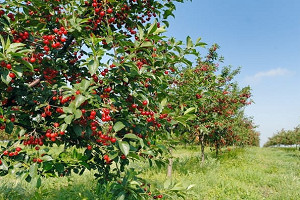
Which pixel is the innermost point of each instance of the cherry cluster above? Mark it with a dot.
(34, 141)
(12, 153)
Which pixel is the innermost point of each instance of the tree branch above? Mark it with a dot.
(66, 46)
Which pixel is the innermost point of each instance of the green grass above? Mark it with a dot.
(247, 173)
(250, 173)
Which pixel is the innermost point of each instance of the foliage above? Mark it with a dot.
(87, 74)
(284, 137)
(95, 85)
(249, 173)
(209, 103)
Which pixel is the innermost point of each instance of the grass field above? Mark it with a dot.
(247, 173)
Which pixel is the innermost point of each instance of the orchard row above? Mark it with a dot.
(100, 79)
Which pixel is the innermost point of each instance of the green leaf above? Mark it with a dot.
(162, 104)
(93, 66)
(201, 44)
(47, 158)
(84, 84)
(18, 71)
(113, 155)
(124, 146)
(22, 132)
(189, 110)
(14, 47)
(69, 119)
(39, 182)
(189, 42)
(59, 167)
(5, 77)
(77, 129)
(118, 126)
(146, 44)
(67, 110)
(152, 28)
(141, 32)
(7, 43)
(2, 42)
(78, 114)
(109, 39)
(159, 30)
(121, 195)
(168, 13)
(131, 136)
(33, 170)
(9, 127)
(27, 64)
(166, 23)
(4, 165)
(47, 165)
(63, 127)
(79, 100)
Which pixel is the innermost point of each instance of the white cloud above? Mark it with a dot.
(267, 74)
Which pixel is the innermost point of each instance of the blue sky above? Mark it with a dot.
(261, 36)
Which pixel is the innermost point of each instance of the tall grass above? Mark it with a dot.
(248, 173)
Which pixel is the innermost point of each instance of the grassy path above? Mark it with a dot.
(249, 173)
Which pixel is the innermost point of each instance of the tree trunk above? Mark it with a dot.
(217, 149)
(202, 148)
(170, 165)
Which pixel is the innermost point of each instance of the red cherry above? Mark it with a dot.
(46, 48)
(8, 66)
(145, 102)
(109, 11)
(102, 13)
(106, 157)
(32, 60)
(93, 113)
(18, 149)
(5, 153)
(56, 124)
(108, 89)
(113, 140)
(106, 111)
(63, 39)
(89, 147)
(134, 105)
(77, 92)
(12, 75)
